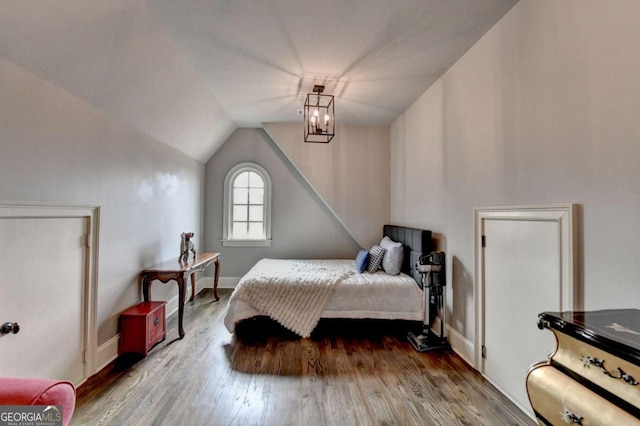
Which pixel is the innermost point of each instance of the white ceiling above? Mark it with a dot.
(188, 72)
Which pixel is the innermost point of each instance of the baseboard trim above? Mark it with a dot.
(459, 344)
(106, 353)
(207, 282)
(227, 282)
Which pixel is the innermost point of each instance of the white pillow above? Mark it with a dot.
(393, 254)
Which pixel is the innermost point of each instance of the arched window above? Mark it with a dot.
(247, 211)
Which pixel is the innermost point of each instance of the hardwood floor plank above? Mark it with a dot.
(353, 373)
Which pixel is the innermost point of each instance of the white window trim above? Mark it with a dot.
(226, 222)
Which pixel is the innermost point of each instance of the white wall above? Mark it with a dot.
(543, 109)
(351, 173)
(301, 226)
(57, 148)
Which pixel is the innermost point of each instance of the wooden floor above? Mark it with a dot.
(346, 374)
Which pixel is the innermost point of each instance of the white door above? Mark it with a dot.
(522, 279)
(42, 288)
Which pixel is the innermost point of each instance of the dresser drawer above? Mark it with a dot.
(602, 368)
(555, 396)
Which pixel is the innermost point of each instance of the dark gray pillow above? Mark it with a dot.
(375, 258)
(393, 254)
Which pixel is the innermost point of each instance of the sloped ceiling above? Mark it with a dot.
(188, 72)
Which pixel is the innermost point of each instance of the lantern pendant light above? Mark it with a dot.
(319, 116)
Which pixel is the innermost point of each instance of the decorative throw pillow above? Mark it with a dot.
(375, 258)
(362, 261)
(393, 255)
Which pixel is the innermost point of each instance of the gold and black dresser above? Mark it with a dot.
(593, 377)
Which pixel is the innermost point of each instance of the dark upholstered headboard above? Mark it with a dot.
(416, 242)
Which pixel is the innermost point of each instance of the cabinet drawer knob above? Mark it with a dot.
(156, 321)
(568, 417)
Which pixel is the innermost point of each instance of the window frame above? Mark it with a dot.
(229, 180)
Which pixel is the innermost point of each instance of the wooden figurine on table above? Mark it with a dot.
(186, 245)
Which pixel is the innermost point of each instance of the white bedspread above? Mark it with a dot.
(376, 296)
(292, 292)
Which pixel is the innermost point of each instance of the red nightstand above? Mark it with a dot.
(141, 327)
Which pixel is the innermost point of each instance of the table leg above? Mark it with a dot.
(181, 289)
(215, 281)
(193, 286)
(146, 282)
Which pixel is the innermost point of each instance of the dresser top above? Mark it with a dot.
(617, 330)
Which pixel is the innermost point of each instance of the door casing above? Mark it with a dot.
(565, 217)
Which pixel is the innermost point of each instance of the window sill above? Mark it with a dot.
(246, 243)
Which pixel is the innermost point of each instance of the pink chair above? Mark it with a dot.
(16, 391)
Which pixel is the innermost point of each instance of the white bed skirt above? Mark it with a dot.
(359, 296)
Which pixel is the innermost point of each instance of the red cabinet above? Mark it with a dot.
(141, 327)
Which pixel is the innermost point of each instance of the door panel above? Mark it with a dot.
(522, 279)
(42, 287)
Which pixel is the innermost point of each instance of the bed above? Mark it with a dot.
(298, 292)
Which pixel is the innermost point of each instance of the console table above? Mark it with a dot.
(593, 376)
(176, 270)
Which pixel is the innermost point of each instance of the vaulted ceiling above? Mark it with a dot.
(188, 72)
